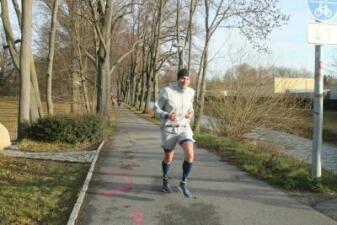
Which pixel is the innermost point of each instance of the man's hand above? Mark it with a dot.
(189, 115)
(172, 116)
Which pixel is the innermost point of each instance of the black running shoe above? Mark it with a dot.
(184, 191)
(166, 186)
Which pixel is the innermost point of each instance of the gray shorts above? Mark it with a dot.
(170, 136)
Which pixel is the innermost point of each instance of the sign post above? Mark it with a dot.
(318, 116)
(322, 11)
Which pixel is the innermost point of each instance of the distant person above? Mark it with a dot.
(113, 99)
(119, 102)
(175, 108)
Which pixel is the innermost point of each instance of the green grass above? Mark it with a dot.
(38, 192)
(277, 169)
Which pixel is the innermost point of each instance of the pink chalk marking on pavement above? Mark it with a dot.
(137, 217)
(120, 191)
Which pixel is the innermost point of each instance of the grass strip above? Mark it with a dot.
(38, 192)
(277, 169)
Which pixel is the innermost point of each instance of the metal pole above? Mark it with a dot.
(318, 115)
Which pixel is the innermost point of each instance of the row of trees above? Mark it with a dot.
(93, 48)
(254, 19)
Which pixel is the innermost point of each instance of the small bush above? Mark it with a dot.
(68, 129)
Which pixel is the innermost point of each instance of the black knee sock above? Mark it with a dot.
(165, 168)
(186, 170)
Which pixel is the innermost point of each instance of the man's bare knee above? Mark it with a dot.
(188, 151)
(168, 157)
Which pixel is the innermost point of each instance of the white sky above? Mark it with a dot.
(288, 44)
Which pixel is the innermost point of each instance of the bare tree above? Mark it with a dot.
(255, 20)
(36, 109)
(157, 38)
(49, 101)
(25, 58)
(106, 17)
(103, 13)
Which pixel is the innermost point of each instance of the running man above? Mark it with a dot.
(175, 109)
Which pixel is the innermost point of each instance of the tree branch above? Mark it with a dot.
(125, 55)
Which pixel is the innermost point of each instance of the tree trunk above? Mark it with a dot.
(16, 58)
(148, 93)
(35, 90)
(157, 37)
(49, 79)
(130, 84)
(189, 32)
(25, 84)
(180, 47)
(137, 93)
(133, 78)
(82, 63)
(201, 100)
(33, 109)
(84, 84)
(135, 89)
(142, 92)
(75, 90)
(199, 76)
(104, 76)
(49, 99)
(9, 34)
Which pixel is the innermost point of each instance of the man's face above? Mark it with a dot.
(184, 82)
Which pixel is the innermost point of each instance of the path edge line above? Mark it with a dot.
(79, 202)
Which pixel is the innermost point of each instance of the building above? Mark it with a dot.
(301, 87)
(284, 85)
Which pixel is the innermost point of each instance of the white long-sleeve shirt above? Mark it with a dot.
(175, 99)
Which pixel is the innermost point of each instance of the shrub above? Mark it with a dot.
(250, 103)
(68, 129)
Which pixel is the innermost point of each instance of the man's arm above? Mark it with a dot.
(190, 111)
(159, 105)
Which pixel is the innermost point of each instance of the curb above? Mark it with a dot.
(78, 204)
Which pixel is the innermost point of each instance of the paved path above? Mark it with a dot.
(125, 189)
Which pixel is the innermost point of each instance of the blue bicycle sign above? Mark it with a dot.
(323, 10)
